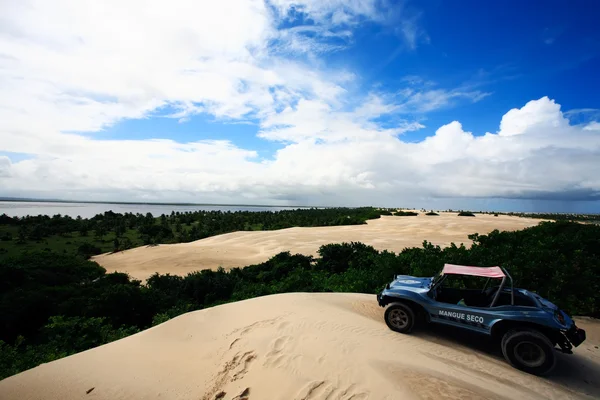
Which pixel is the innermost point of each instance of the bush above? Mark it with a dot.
(87, 250)
(171, 313)
(77, 334)
(432, 213)
(62, 336)
(406, 214)
(337, 258)
(466, 214)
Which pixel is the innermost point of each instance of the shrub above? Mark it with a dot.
(337, 258)
(432, 213)
(466, 214)
(406, 214)
(87, 250)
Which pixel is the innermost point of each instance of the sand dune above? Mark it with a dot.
(299, 346)
(239, 249)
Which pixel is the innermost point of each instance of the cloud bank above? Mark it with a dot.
(69, 69)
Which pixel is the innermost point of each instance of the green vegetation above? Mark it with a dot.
(593, 218)
(432, 213)
(115, 232)
(385, 212)
(54, 302)
(466, 214)
(406, 214)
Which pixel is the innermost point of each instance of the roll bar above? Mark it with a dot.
(512, 286)
(512, 289)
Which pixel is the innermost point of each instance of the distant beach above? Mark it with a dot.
(88, 210)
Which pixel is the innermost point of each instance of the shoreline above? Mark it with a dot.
(16, 200)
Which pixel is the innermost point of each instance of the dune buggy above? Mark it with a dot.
(527, 326)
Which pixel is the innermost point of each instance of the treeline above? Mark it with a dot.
(114, 232)
(53, 305)
(406, 214)
(551, 216)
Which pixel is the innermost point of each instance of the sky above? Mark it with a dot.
(437, 104)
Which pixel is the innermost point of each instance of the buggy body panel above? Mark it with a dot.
(483, 311)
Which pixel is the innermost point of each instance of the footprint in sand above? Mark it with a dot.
(233, 370)
(325, 390)
(245, 395)
(243, 366)
(274, 357)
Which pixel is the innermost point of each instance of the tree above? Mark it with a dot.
(22, 234)
(100, 230)
(406, 214)
(126, 243)
(87, 250)
(120, 229)
(84, 228)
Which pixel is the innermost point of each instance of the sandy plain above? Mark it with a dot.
(239, 249)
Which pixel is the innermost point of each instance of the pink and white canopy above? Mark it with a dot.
(488, 272)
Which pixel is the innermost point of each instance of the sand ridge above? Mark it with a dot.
(239, 249)
(299, 346)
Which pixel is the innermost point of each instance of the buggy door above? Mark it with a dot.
(463, 316)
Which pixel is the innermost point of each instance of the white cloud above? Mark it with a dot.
(422, 101)
(592, 126)
(544, 160)
(329, 12)
(544, 113)
(100, 62)
(69, 67)
(5, 167)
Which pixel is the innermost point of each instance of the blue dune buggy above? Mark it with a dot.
(528, 326)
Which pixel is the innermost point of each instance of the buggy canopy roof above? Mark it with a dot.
(488, 272)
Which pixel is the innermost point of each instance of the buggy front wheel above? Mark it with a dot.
(529, 350)
(400, 318)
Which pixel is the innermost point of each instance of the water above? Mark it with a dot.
(88, 210)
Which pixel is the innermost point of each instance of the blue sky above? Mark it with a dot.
(281, 102)
(515, 51)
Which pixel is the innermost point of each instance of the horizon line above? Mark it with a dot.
(34, 200)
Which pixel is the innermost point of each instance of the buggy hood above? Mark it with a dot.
(410, 281)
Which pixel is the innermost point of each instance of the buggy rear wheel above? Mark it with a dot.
(400, 318)
(529, 350)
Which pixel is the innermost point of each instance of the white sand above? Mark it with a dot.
(240, 249)
(300, 346)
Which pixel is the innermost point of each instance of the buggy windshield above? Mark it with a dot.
(485, 272)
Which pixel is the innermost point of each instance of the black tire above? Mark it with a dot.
(400, 317)
(529, 350)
